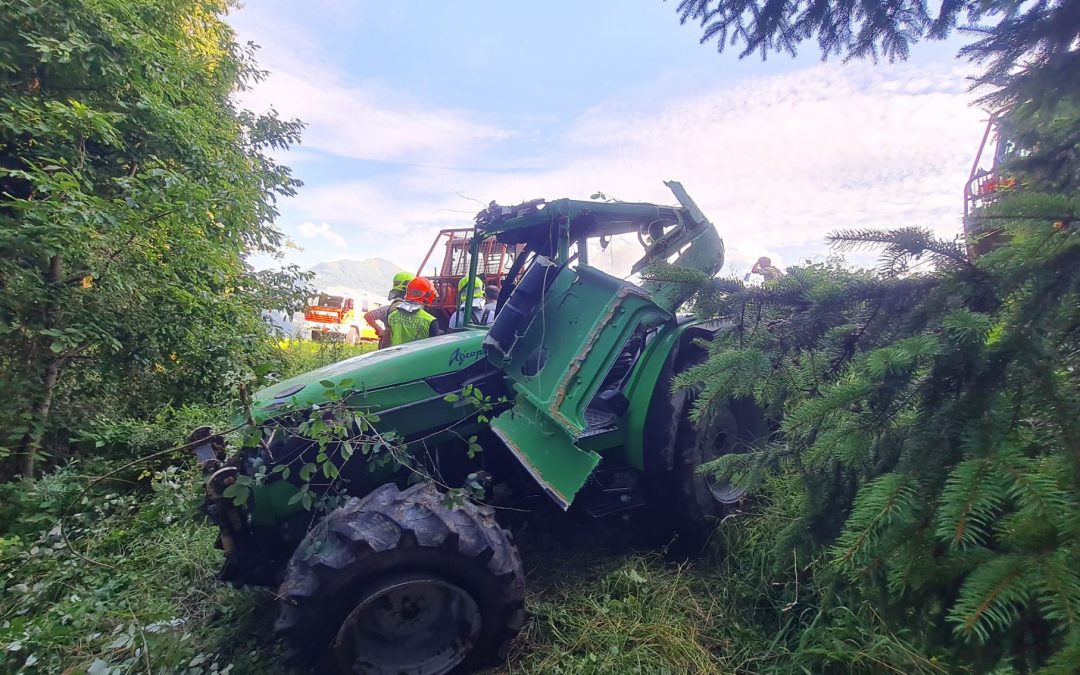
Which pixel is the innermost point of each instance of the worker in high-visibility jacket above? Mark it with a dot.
(409, 321)
(457, 320)
(376, 318)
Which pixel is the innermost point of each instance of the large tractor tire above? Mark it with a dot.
(397, 582)
(737, 425)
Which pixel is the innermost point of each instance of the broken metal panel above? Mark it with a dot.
(696, 244)
(556, 351)
(546, 451)
(572, 338)
(540, 221)
(705, 254)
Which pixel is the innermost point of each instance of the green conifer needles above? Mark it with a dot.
(928, 413)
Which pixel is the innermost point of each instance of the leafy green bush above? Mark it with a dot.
(293, 357)
(131, 193)
(132, 587)
(131, 438)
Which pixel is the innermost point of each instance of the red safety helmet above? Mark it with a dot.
(420, 290)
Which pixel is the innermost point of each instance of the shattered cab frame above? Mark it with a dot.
(562, 332)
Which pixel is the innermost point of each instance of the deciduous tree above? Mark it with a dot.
(131, 190)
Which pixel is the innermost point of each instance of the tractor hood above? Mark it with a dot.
(373, 371)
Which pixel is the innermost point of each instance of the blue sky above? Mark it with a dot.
(418, 112)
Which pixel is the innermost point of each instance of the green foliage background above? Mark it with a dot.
(927, 412)
(131, 189)
(132, 585)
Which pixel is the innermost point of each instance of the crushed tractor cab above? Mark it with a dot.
(577, 410)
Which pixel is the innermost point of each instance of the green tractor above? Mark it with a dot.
(368, 492)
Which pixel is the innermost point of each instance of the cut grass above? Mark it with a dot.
(630, 615)
(138, 593)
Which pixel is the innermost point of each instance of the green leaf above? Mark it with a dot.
(636, 577)
(327, 384)
(474, 447)
(307, 471)
(252, 437)
(238, 493)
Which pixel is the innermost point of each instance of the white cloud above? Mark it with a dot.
(311, 230)
(777, 163)
(367, 121)
(350, 117)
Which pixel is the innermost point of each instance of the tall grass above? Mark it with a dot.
(132, 587)
(131, 590)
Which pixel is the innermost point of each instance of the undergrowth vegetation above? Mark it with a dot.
(132, 192)
(132, 589)
(633, 615)
(128, 584)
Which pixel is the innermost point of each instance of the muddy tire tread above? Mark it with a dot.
(387, 531)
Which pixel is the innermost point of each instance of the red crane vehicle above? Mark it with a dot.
(454, 247)
(984, 186)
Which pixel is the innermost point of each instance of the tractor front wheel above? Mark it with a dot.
(400, 583)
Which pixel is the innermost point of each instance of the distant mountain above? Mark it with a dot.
(372, 276)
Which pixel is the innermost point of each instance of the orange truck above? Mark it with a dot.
(335, 317)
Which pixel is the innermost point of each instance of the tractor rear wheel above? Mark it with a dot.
(737, 425)
(397, 582)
